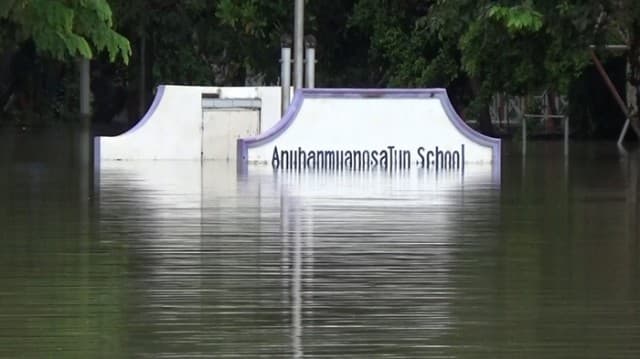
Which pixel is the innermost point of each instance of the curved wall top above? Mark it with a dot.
(172, 127)
(169, 130)
(365, 128)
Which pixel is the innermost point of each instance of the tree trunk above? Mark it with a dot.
(551, 110)
(482, 102)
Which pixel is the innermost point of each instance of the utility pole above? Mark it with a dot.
(298, 36)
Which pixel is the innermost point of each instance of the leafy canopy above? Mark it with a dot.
(517, 18)
(66, 28)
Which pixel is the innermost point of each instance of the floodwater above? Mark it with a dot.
(179, 260)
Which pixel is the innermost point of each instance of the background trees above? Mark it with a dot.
(473, 48)
(63, 29)
(39, 40)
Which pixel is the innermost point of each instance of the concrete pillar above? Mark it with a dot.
(310, 60)
(285, 73)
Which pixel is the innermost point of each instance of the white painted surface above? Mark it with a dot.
(174, 130)
(335, 124)
(223, 127)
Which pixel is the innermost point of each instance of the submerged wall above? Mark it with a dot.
(172, 128)
(371, 129)
(357, 129)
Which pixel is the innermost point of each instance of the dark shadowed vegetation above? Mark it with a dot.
(475, 49)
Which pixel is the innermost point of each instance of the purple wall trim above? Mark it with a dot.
(147, 116)
(154, 106)
(273, 132)
(245, 143)
(470, 133)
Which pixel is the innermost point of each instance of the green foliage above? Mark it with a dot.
(66, 28)
(207, 42)
(474, 48)
(480, 47)
(237, 42)
(401, 44)
(243, 16)
(507, 46)
(517, 18)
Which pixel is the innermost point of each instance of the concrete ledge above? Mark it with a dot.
(215, 103)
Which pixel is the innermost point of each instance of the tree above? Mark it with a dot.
(416, 43)
(484, 46)
(65, 28)
(39, 41)
(237, 42)
(568, 29)
(619, 21)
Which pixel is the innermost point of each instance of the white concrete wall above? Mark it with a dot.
(336, 124)
(223, 127)
(172, 129)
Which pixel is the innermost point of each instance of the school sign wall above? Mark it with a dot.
(345, 129)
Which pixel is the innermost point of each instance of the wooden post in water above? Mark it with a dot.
(84, 133)
(523, 123)
(85, 147)
(565, 122)
(85, 87)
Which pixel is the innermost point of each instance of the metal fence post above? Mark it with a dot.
(310, 59)
(524, 134)
(285, 73)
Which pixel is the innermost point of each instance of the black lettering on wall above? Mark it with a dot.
(439, 158)
(406, 159)
(366, 159)
(383, 159)
(275, 159)
(430, 159)
(302, 158)
(455, 160)
(311, 160)
(330, 159)
(348, 160)
(390, 158)
(357, 159)
(421, 159)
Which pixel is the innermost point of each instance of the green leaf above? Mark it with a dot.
(67, 28)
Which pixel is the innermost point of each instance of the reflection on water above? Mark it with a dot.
(175, 259)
